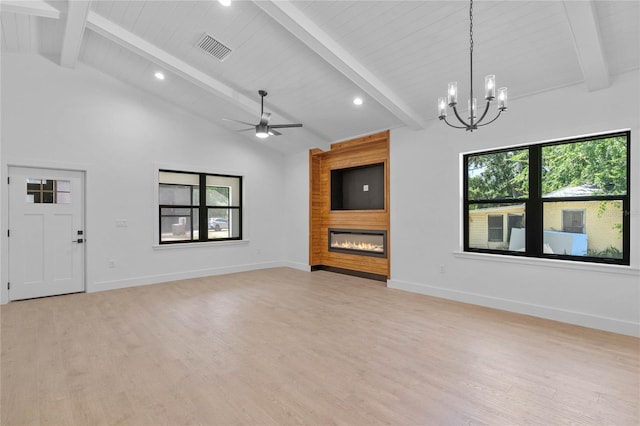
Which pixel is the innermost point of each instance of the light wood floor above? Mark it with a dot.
(282, 346)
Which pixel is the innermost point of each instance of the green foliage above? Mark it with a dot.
(610, 252)
(599, 163)
(499, 175)
(217, 196)
(618, 226)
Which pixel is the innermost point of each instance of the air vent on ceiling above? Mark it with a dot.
(213, 47)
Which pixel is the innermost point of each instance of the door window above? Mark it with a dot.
(48, 191)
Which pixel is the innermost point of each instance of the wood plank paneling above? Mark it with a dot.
(366, 150)
(315, 207)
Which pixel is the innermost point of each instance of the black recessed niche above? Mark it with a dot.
(358, 188)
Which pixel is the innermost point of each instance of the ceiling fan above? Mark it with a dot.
(263, 128)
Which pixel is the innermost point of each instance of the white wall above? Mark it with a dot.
(297, 211)
(426, 209)
(82, 119)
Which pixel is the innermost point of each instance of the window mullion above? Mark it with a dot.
(626, 226)
(203, 216)
(534, 219)
(465, 208)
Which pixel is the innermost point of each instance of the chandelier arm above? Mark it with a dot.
(464, 123)
(494, 119)
(451, 125)
(486, 109)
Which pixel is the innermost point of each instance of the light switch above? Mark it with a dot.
(365, 188)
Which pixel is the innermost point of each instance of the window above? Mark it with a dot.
(573, 221)
(495, 226)
(48, 191)
(191, 202)
(566, 199)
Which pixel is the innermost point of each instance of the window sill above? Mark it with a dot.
(193, 245)
(551, 263)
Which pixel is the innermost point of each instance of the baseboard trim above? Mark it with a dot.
(185, 275)
(295, 265)
(571, 317)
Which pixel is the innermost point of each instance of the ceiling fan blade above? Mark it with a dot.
(246, 130)
(238, 121)
(264, 120)
(274, 132)
(284, 126)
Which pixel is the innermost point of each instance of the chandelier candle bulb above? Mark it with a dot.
(453, 93)
(473, 107)
(442, 108)
(490, 87)
(502, 98)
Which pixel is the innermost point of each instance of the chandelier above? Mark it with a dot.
(489, 94)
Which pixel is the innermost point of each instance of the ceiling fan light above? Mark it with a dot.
(262, 131)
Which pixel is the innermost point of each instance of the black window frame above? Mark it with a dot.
(202, 208)
(534, 203)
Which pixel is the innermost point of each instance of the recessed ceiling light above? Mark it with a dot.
(358, 101)
(225, 2)
(159, 75)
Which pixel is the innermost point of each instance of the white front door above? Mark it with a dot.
(46, 232)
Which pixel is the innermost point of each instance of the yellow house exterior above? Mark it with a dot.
(490, 228)
(479, 226)
(601, 223)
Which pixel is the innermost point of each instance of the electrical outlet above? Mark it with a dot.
(112, 263)
(121, 223)
(442, 269)
(365, 188)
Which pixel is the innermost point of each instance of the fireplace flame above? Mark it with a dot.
(358, 245)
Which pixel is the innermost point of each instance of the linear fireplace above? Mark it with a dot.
(358, 241)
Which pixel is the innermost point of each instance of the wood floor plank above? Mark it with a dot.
(284, 347)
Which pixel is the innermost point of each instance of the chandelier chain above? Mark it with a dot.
(471, 111)
(471, 26)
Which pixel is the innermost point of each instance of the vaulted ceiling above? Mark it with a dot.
(314, 57)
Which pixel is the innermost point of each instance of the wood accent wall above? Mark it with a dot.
(371, 149)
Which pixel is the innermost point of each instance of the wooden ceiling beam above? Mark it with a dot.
(138, 45)
(588, 44)
(76, 20)
(32, 8)
(298, 24)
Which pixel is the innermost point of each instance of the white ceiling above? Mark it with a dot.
(314, 57)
